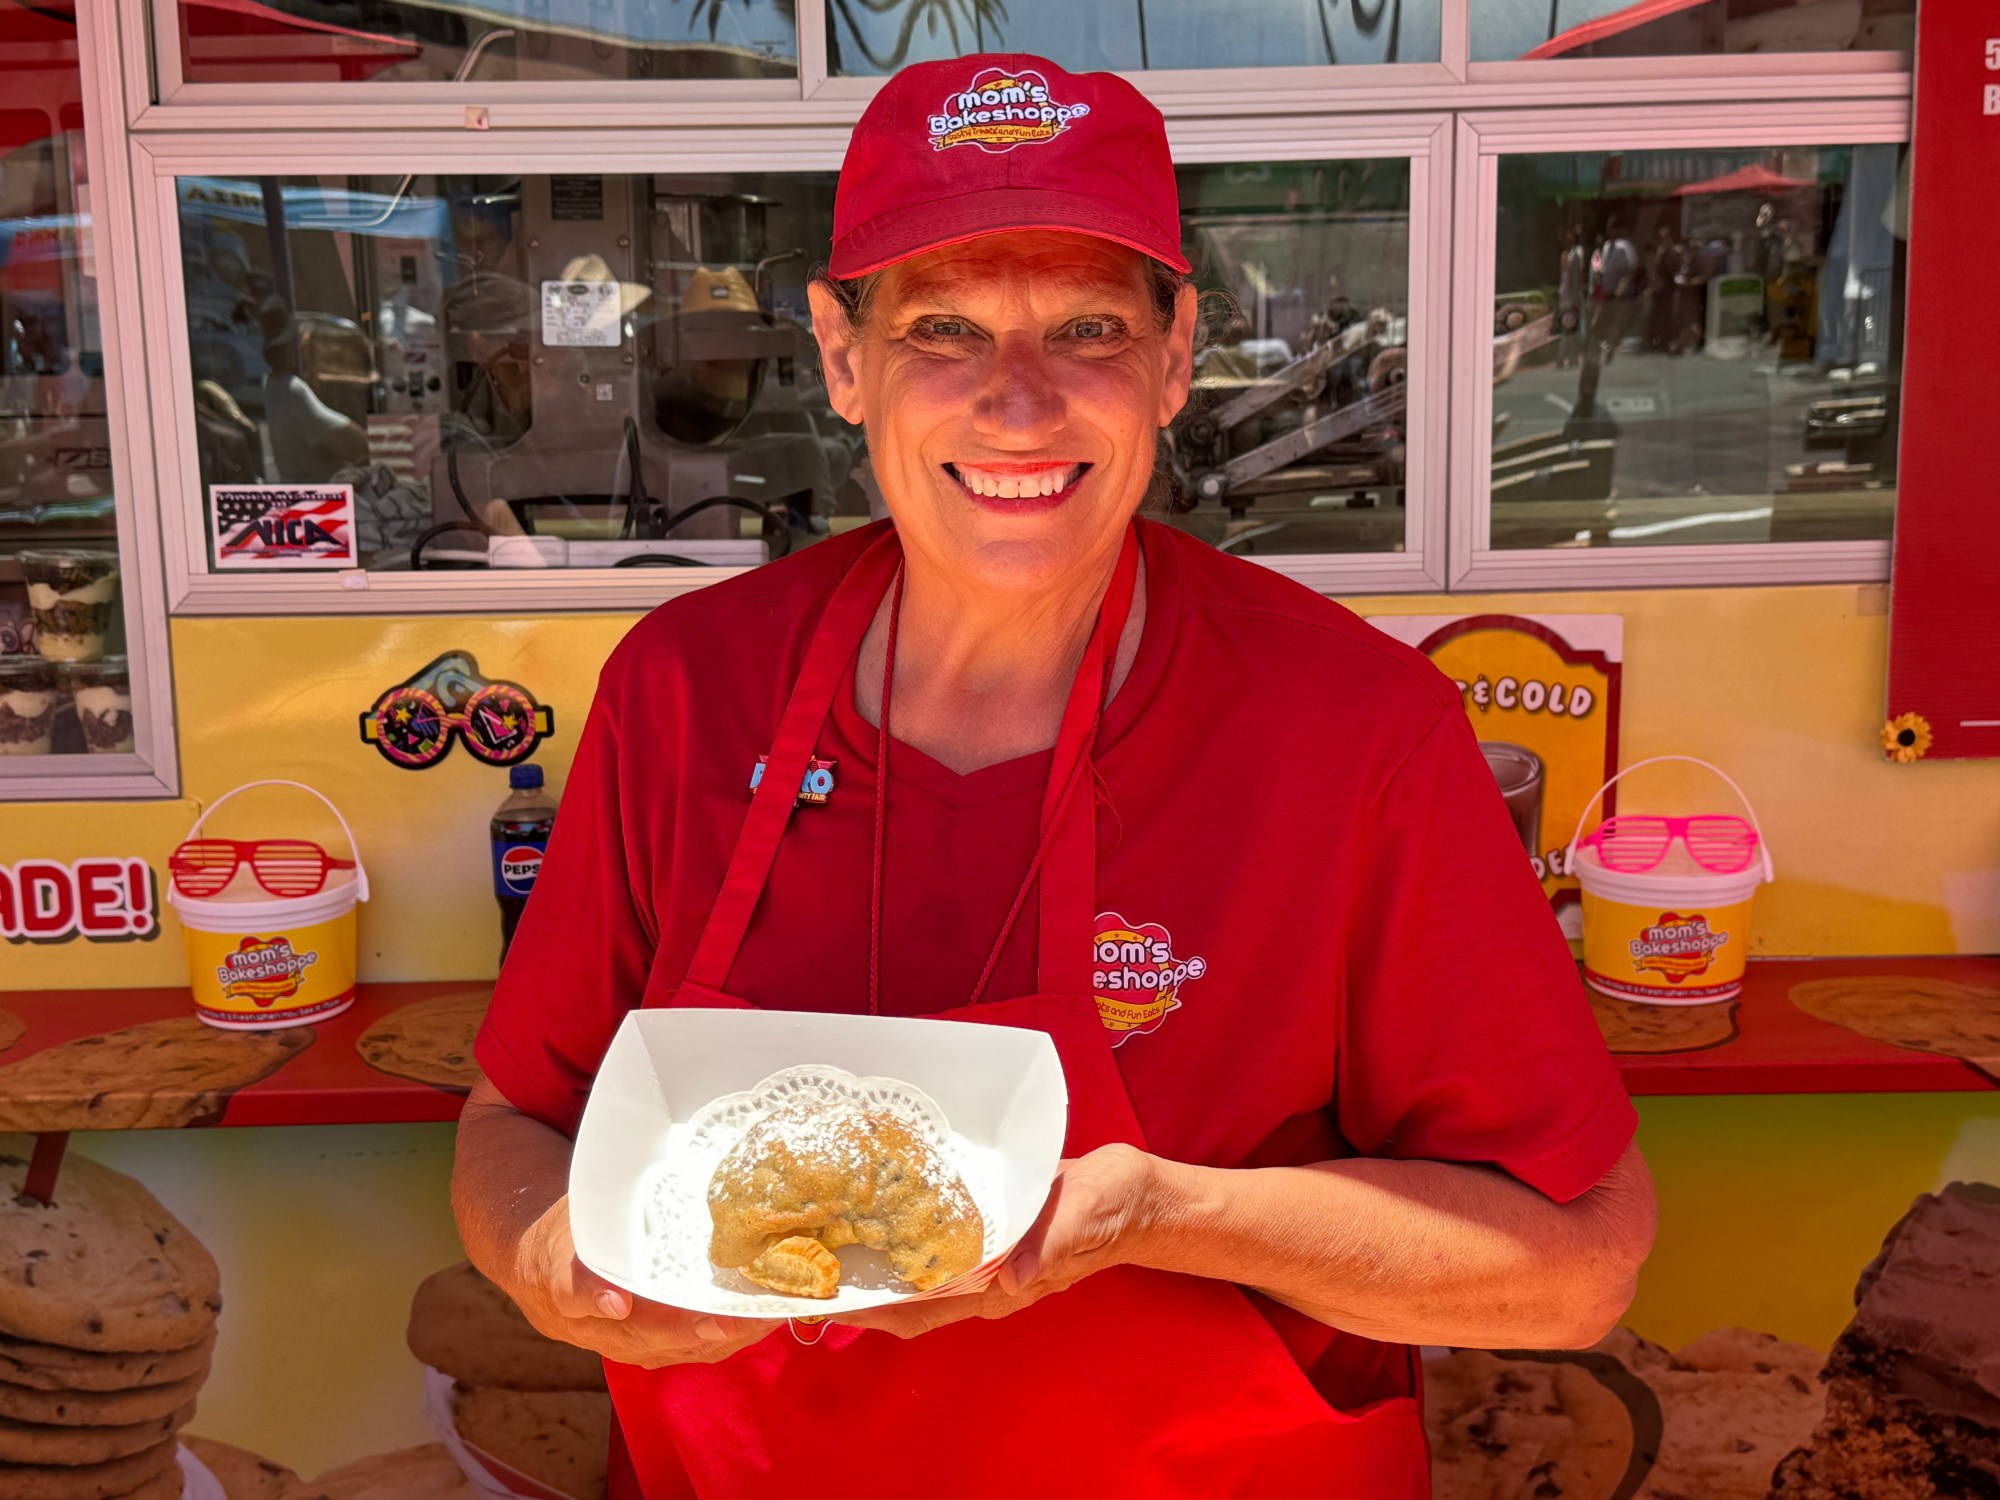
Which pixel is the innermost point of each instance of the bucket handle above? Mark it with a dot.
(1763, 849)
(360, 871)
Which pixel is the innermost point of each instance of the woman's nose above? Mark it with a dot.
(1019, 401)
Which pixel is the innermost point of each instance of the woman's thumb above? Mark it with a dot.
(592, 1296)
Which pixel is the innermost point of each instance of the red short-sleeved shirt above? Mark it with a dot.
(1286, 796)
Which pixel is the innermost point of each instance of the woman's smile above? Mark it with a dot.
(1017, 488)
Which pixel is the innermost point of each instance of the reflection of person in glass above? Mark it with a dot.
(1614, 289)
(1572, 281)
(1354, 1070)
(309, 440)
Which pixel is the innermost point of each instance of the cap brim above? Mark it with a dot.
(905, 232)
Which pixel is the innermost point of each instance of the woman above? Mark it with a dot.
(1233, 850)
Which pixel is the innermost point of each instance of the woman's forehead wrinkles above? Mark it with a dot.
(1061, 269)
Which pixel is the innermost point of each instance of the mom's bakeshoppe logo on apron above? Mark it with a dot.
(999, 110)
(1135, 977)
(1676, 947)
(264, 971)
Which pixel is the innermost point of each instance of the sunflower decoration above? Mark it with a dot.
(1906, 737)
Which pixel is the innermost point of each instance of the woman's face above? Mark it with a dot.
(1012, 387)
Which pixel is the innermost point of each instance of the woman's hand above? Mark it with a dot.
(566, 1300)
(1097, 1211)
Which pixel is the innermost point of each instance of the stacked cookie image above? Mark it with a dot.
(107, 1323)
(536, 1405)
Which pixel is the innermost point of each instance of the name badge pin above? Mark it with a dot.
(814, 787)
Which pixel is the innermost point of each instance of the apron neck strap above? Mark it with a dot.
(848, 615)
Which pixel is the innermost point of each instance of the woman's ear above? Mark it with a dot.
(839, 353)
(1179, 374)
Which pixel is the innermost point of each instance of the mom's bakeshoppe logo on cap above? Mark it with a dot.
(264, 971)
(1135, 977)
(1676, 947)
(1000, 110)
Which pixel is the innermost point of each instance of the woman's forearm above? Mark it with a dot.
(1410, 1252)
(508, 1170)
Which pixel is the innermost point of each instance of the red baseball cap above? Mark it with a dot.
(949, 151)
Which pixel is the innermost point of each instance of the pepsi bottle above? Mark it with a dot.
(521, 830)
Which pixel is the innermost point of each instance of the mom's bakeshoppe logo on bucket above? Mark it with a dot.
(264, 971)
(1135, 977)
(999, 110)
(1676, 947)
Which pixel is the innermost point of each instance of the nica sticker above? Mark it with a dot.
(1136, 977)
(999, 110)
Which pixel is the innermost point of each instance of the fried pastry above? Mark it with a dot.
(811, 1177)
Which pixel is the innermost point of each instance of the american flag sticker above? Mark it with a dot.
(283, 525)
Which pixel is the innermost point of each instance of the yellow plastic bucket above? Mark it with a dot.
(259, 962)
(1677, 934)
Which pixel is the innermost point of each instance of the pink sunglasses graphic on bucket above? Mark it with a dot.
(1630, 843)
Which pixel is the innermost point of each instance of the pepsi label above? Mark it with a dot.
(516, 863)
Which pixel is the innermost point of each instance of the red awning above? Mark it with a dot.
(1611, 25)
(1752, 179)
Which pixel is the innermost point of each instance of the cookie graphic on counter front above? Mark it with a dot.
(1732, 1404)
(425, 1472)
(104, 1267)
(242, 1474)
(51, 1367)
(97, 1408)
(156, 1075)
(46, 1443)
(562, 1438)
(151, 1474)
(1633, 1028)
(429, 1040)
(1502, 1426)
(464, 1325)
(1924, 1015)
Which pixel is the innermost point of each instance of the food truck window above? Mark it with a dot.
(1696, 346)
(450, 374)
(870, 37)
(424, 41)
(66, 679)
(1503, 30)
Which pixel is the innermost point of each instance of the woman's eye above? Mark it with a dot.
(941, 328)
(1095, 330)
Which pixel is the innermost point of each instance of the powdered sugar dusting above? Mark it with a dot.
(809, 1110)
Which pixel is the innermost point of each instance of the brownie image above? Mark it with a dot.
(27, 705)
(1913, 1384)
(103, 694)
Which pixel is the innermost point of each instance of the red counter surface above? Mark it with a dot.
(1777, 1048)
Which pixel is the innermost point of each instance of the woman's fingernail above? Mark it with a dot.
(710, 1330)
(609, 1306)
(1021, 1269)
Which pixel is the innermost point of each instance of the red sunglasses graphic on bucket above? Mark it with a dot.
(283, 867)
(1631, 843)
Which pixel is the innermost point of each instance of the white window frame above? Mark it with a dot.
(157, 159)
(152, 769)
(1483, 138)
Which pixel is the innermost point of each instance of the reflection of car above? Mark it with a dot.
(1842, 421)
(1513, 311)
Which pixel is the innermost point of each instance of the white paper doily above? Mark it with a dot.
(678, 1226)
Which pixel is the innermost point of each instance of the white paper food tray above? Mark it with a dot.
(1000, 1088)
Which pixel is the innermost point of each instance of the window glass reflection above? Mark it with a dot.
(1506, 29)
(879, 36)
(592, 370)
(64, 687)
(1696, 346)
(433, 41)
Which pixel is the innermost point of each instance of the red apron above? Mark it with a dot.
(1133, 1383)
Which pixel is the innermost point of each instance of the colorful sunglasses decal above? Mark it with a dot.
(414, 723)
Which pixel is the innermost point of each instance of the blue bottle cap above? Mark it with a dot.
(524, 778)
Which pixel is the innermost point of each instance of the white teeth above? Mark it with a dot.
(1006, 486)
